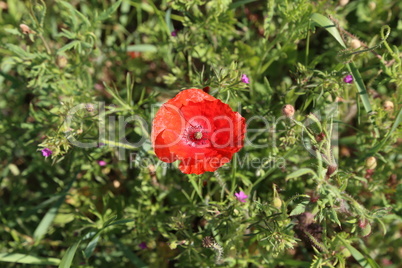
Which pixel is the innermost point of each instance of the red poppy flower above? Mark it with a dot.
(197, 129)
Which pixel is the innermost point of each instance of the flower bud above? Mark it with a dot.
(62, 62)
(343, 3)
(3, 5)
(388, 105)
(372, 6)
(355, 44)
(371, 162)
(25, 29)
(288, 110)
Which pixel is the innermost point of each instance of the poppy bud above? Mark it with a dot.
(388, 105)
(25, 29)
(277, 202)
(89, 107)
(355, 44)
(62, 62)
(365, 228)
(3, 5)
(288, 110)
(371, 162)
(331, 169)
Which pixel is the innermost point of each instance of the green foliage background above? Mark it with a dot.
(67, 210)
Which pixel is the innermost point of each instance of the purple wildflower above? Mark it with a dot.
(46, 152)
(102, 163)
(245, 79)
(143, 245)
(348, 79)
(241, 196)
(173, 33)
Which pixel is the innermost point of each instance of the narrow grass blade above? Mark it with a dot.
(378, 147)
(365, 262)
(326, 23)
(360, 86)
(27, 259)
(129, 254)
(47, 220)
(69, 256)
(240, 3)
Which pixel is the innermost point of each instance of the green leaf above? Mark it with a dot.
(300, 208)
(326, 23)
(69, 256)
(301, 172)
(240, 3)
(142, 48)
(91, 246)
(105, 14)
(27, 259)
(68, 46)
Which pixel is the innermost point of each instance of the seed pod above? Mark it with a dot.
(371, 162)
(288, 110)
(277, 202)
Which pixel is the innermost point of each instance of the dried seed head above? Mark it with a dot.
(388, 105)
(371, 162)
(355, 44)
(288, 110)
(208, 242)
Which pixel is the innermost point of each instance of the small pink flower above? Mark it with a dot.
(241, 196)
(143, 245)
(245, 79)
(46, 152)
(102, 163)
(348, 79)
(173, 33)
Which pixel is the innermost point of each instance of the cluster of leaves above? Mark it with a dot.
(316, 198)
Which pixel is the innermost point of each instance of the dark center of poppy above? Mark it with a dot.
(198, 135)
